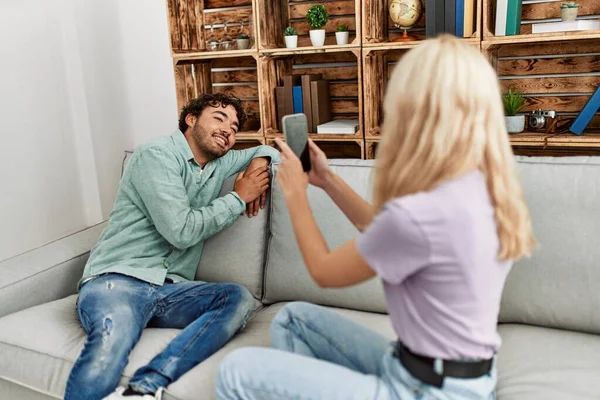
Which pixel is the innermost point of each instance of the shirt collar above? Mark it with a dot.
(182, 145)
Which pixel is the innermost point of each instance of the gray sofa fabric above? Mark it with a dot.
(550, 307)
(559, 286)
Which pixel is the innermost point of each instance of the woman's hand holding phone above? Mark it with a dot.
(291, 177)
(320, 173)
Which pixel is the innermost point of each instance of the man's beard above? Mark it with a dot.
(206, 143)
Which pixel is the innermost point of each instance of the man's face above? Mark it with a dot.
(215, 129)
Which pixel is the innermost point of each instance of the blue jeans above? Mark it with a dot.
(114, 309)
(318, 354)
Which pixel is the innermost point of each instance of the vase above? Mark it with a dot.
(291, 42)
(342, 37)
(569, 14)
(317, 37)
(515, 123)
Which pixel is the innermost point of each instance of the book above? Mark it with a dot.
(513, 17)
(579, 25)
(450, 16)
(339, 126)
(289, 81)
(281, 111)
(501, 12)
(320, 102)
(306, 97)
(587, 113)
(297, 98)
(434, 18)
(459, 17)
(469, 18)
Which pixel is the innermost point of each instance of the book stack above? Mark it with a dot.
(566, 26)
(307, 94)
(508, 17)
(456, 17)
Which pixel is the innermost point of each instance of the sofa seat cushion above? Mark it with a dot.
(38, 347)
(547, 364)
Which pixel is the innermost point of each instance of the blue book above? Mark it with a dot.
(460, 18)
(586, 115)
(297, 96)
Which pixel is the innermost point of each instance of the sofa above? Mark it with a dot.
(549, 318)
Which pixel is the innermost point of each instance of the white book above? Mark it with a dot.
(501, 12)
(580, 25)
(339, 126)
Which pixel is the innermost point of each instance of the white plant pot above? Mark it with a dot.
(342, 37)
(291, 42)
(317, 37)
(243, 43)
(568, 14)
(515, 123)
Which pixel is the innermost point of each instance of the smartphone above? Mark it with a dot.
(295, 131)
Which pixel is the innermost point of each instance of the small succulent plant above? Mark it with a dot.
(243, 36)
(570, 4)
(290, 31)
(513, 102)
(342, 28)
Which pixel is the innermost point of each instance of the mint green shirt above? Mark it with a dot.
(165, 208)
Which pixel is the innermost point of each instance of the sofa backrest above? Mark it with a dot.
(286, 277)
(237, 254)
(559, 286)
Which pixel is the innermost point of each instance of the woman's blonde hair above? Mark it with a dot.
(443, 117)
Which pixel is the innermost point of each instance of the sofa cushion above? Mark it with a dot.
(541, 363)
(237, 253)
(558, 286)
(46, 273)
(39, 346)
(286, 276)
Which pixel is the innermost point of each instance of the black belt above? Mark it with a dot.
(426, 370)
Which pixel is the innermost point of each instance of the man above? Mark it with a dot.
(141, 271)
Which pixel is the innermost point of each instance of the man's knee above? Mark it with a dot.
(240, 302)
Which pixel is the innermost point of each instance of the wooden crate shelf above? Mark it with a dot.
(556, 71)
(236, 76)
(342, 69)
(292, 13)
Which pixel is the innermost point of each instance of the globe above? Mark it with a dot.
(405, 14)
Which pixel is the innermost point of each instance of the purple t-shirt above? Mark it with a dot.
(436, 253)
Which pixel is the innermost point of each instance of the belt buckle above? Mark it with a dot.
(438, 366)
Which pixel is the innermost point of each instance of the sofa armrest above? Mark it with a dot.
(48, 273)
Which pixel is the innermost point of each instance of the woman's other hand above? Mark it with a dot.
(320, 173)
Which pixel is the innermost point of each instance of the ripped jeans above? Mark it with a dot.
(114, 309)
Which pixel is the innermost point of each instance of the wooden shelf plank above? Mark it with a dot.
(209, 55)
(317, 137)
(282, 51)
(541, 37)
(554, 140)
(407, 45)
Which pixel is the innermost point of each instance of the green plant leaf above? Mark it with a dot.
(289, 31)
(513, 102)
(316, 16)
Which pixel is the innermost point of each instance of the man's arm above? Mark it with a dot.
(236, 161)
(155, 176)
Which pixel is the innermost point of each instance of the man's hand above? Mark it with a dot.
(259, 203)
(250, 186)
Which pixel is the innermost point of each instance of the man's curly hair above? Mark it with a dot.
(197, 105)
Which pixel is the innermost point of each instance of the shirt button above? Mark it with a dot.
(166, 264)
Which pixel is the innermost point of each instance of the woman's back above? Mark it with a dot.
(437, 253)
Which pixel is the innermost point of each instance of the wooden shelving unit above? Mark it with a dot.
(556, 71)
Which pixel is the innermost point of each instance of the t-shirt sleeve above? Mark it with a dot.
(394, 245)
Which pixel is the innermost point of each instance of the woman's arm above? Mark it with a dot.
(341, 267)
(358, 211)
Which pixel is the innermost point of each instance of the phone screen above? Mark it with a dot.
(295, 130)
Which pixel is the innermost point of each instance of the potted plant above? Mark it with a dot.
(316, 16)
(513, 104)
(568, 11)
(291, 37)
(341, 34)
(243, 41)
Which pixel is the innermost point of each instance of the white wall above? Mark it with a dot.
(80, 82)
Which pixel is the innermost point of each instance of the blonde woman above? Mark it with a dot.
(448, 222)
